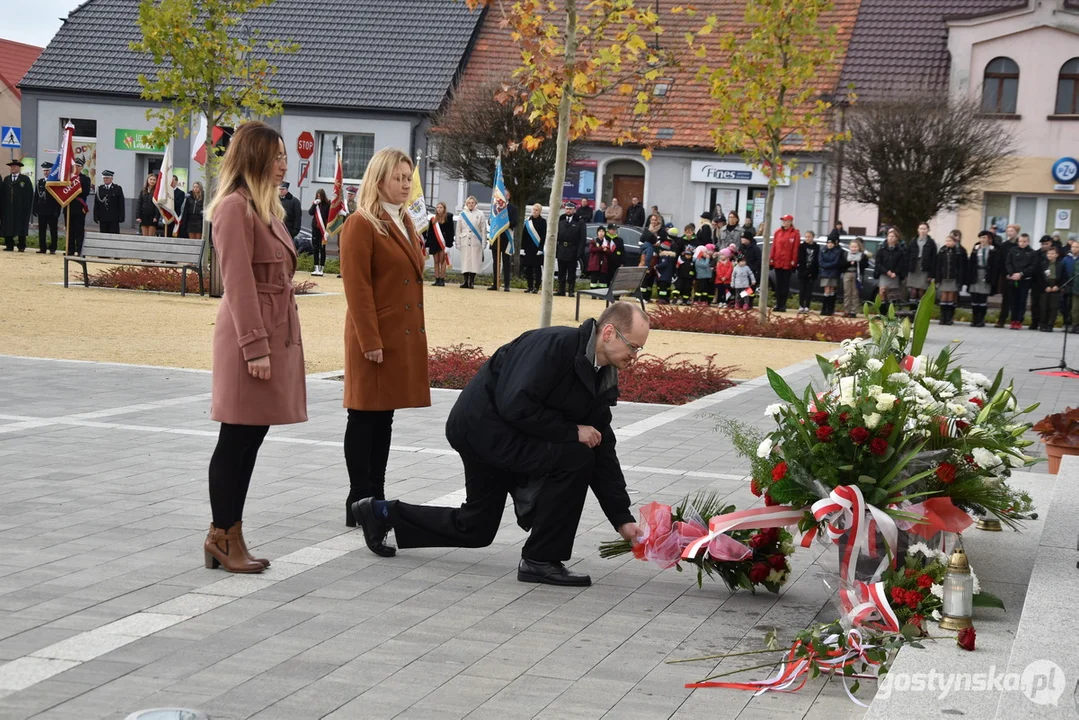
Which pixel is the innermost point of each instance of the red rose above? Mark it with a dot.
(820, 417)
(824, 433)
(946, 473)
(844, 417)
(909, 572)
(778, 562)
(977, 401)
(898, 594)
(885, 430)
(769, 500)
(771, 536)
(759, 572)
(859, 435)
(925, 582)
(913, 598)
(757, 541)
(969, 459)
(755, 487)
(966, 638)
(779, 472)
(879, 446)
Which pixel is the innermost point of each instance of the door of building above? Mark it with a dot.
(627, 187)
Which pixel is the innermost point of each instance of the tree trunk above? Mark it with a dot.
(766, 250)
(550, 245)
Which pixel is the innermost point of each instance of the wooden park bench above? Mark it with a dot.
(626, 281)
(113, 249)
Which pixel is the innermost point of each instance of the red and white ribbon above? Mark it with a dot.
(757, 518)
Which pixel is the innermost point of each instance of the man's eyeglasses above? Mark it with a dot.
(635, 349)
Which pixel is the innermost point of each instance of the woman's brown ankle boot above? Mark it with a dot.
(221, 548)
(243, 545)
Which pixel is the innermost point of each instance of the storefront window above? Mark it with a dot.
(1026, 211)
(356, 152)
(1062, 217)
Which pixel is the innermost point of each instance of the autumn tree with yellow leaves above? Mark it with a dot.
(572, 54)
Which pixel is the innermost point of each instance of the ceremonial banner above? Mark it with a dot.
(417, 206)
(500, 214)
(162, 191)
(338, 209)
(62, 181)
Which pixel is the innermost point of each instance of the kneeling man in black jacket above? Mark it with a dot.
(534, 423)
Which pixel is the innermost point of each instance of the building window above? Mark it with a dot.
(1000, 87)
(356, 152)
(83, 128)
(1068, 88)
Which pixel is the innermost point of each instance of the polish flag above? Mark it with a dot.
(198, 146)
(163, 190)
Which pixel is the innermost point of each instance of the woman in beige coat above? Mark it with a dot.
(470, 237)
(385, 337)
(258, 370)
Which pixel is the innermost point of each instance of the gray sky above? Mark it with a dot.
(36, 27)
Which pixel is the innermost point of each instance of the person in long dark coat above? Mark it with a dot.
(293, 210)
(110, 208)
(950, 274)
(16, 206)
(571, 239)
(890, 269)
(534, 423)
(76, 212)
(983, 267)
(48, 214)
(532, 240)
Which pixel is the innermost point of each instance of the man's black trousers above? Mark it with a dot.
(554, 517)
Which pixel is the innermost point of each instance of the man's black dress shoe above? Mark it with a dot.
(550, 573)
(374, 529)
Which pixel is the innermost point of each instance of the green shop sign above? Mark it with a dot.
(137, 140)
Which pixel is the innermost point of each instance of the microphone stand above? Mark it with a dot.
(1063, 364)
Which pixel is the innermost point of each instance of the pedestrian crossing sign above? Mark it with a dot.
(10, 137)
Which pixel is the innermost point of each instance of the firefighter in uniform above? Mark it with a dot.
(48, 213)
(77, 210)
(109, 207)
(16, 206)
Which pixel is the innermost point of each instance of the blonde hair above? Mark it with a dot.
(249, 163)
(369, 203)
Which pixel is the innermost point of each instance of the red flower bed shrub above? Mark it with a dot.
(160, 279)
(452, 367)
(651, 379)
(744, 322)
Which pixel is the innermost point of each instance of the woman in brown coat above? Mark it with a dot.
(385, 337)
(258, 371)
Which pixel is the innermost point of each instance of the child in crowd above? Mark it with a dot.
(686, 274)
(702, 267)
(831, 264)
(808, 269)
(950, 275)
(665, 270)
(1050, 277)
(599, 249)
(724, 270)
(742, 279)
(689, 237)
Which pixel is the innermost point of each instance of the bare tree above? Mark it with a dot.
(468, 131)
(915, 156)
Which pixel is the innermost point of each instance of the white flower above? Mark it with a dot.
(843, 359)
(874, 390)
(937, 591)
(873, 364)
(885, 401)
(958, 410)
(786, 548)
(977, 585)
(1011, 403)
(936, 615)
(973, 378)
(846, 391)
(984, 458)
(773, 409)
(764, 448)
(872, 420)
(776, 576)
(920, 548)
(899, 378)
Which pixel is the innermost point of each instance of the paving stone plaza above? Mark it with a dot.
(106, 609)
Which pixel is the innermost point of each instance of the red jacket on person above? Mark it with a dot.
(785, 248)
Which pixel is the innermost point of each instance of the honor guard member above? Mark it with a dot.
(76, 218)
(48, 213)
(16, 206)
(109, 208)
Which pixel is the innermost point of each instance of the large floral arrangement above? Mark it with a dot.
(741, 558)
(924, 441)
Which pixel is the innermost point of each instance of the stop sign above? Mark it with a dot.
(305, 145)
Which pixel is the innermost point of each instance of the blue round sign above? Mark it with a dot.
(1065, 170)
